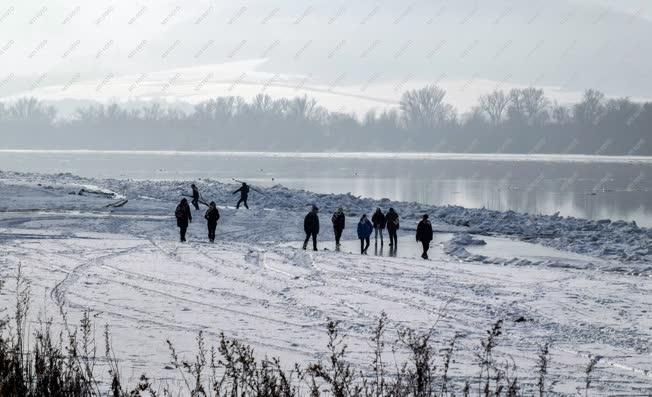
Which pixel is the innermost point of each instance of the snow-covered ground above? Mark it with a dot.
(585, 285)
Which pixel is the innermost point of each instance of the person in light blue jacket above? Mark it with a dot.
(364, 233)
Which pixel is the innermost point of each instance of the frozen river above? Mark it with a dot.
(593, 187)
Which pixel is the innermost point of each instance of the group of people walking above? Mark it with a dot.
(212, 215)
(184, 218)
(365, 228)
(379, 221)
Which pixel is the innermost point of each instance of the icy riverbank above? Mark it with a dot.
(126, 265)
(628, 246)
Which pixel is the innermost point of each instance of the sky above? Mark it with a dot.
(351, 56)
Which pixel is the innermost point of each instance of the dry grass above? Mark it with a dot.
(67, 365)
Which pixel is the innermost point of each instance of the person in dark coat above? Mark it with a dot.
(339, 220)
(379, 221)
(392, 226)
(195, 197)
(311, 227)
(244, 194)
(424, 234)
(364, 233)
(184, 217)
(212, 216)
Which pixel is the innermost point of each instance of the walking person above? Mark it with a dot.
(392, 226)
(364, 233)
(244, 194)
(424, 234)
(339, 220)
(311, 227)
(184, 217)
(212, 216)
(378, 220)
(195, 197)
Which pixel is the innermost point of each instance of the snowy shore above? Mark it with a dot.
(584, 284)
(616, 241)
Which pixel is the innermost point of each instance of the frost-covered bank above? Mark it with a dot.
(626, 244)
(126, 265)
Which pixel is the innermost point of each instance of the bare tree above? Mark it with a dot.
(621, 111)
(591, 108)
(232, 123)
(305, 109)
(390, 119)
(152, 112)
(175, 114)
(262, 104)
(494, 105)
(475, 118)
(32, 110)
(370, 119)
(561, 114)
(425, 107)
(528, 105)
(220, 109)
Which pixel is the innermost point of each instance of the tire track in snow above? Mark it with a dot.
(205, 304)
(257, 285)
(357, 275)
(307, 310)
(59, 290)
(161, 281)
(144, 318)
(257, 256)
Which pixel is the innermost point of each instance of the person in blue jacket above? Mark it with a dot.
(364, 232)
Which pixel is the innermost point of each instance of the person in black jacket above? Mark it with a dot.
(184, 217)
(195, 197)
(244, 194)
(392, 226)
(424, 234)
(311, 227)
(339, 221)
(212, 216)
(378, 220)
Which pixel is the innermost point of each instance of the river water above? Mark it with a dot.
(595, 187)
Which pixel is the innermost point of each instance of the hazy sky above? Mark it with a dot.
(350, 55)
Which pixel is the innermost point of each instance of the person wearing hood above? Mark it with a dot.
(212, 216)
(195, 197)
(184, 217)
(392, 226)
(424, 234)
(244, 194)
(364, 233)
(311, 227)
(379, 221)
(339, 220)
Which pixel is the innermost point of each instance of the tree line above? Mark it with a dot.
(514, 121)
